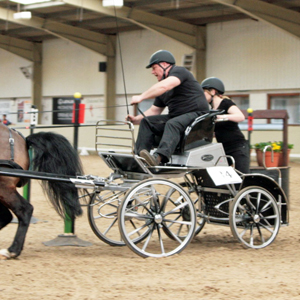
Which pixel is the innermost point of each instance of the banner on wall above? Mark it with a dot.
(24, 106)
(94, 109)
(16, 110)
(4, 107)
(62, 110)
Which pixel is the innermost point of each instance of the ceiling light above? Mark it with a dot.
(117, 3)
(43, 5)
(25, 2)
(22, 15)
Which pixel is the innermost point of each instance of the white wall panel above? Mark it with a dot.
(13, 83)
(68, 68)
(137, 47)
(251, 55)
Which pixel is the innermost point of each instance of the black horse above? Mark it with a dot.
(52, 154)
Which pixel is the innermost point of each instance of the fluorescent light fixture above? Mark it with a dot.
(26, 2)
(108, 3)
(22, 15)
(43, 5)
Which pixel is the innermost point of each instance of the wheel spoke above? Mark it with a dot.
(160, 240)
(171, 223)
(238, 219)
(269, 217)
(248, 199)
(176, 208)
(178, 222)
(251, 235)
(258, 202)
(137, 230)
(110, 226)
(243, 233)
(148, 238)
(267, 228)
(175, 236)
(137, 216)
(260, 233)
(266, 206)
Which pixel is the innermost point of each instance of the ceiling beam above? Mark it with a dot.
(152, 2)
(180, 31)
(16, 46)
(91, 40)
(280, 17)
(217, 19)
(192, 10)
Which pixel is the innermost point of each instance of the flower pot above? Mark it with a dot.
(280, 162)
(268, 158)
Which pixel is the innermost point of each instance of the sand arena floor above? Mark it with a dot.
(213, 266)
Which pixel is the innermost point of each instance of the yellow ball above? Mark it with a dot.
(250, 110)
(77, 95)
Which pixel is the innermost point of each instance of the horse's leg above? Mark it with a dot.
(23, 211)
(5, 216)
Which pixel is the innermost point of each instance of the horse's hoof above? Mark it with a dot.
(5, 254)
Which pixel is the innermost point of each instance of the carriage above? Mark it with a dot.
(157, 211)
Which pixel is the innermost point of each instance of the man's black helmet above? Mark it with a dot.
(213, 83)
(161, 56)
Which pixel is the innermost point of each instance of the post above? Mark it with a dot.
(77, 99)
(27, 187)
(70, 222)
(250, 126)
(68, 238)
(33, 123)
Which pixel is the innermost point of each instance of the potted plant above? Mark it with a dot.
(277, 153)
(290, 147)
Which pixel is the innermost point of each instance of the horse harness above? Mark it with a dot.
(11, 163)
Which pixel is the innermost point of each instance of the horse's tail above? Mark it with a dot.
(54, 154)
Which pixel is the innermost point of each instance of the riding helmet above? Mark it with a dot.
(213, 83)
(161, 56)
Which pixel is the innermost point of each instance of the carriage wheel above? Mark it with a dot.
(254, 217)
(158, 214)
(103, 217)
(194, 197)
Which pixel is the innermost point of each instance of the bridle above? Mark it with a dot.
(11, 142)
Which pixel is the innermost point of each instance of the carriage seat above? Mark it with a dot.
(199, 133)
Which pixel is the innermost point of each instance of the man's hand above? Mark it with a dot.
(136, 99)
(133, 119)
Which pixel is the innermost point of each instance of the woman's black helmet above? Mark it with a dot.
(213, 83)
(161, 56)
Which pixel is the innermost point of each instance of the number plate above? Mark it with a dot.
(223, 175)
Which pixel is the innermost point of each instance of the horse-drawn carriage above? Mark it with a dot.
(156, 211)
